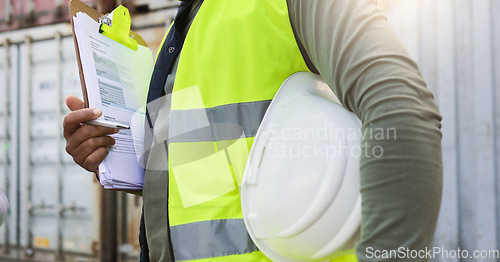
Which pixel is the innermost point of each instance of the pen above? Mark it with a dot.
(105, 123)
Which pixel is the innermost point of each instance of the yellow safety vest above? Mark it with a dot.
(235, 57)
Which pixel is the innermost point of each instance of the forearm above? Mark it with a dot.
(362, 60)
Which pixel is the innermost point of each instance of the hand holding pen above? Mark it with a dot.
(88, 144)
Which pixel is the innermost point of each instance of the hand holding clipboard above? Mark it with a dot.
(115, 66)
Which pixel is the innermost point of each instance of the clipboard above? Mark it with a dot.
(118, 33)
(118, 30)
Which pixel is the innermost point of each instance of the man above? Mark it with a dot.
(233, 59)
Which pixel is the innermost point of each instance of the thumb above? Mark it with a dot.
(74, 103)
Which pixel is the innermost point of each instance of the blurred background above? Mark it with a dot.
(58, 212)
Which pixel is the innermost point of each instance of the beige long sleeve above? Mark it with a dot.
(351, 45)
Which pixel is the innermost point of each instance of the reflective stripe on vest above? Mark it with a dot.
(219, 123)
(235, 57)
(226, 236)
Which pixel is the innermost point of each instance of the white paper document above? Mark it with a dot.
(117, 79)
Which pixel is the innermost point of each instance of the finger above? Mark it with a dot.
(74, 103)
(86, 132)
(89, 146)
(93, 160)
(72, 121)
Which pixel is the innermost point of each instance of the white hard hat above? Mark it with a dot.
(300, 191)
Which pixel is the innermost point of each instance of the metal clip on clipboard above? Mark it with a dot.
(118, 28)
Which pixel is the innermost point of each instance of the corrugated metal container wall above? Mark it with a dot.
(54, 204)
(457, 45)
(9, 136)
(57, 210)
(57, 217)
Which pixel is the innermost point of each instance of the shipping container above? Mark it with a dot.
(457, 46)
(17, 14)
(9, 66)
(58, 211)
